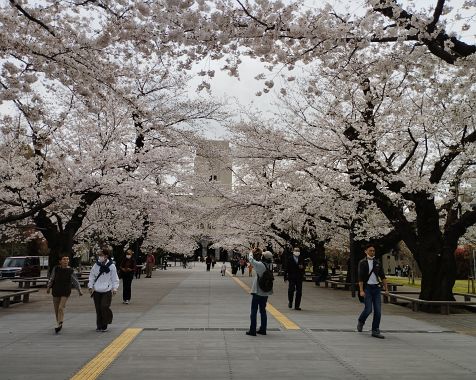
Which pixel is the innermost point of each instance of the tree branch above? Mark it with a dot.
(410, 155)
(436, 15)
(449, 49)
(14, 4)
(454, 150)
(26, 214)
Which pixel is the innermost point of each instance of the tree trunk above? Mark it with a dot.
(60, 240)
(438, 268)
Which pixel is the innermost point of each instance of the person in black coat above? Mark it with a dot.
(61, 280)
(294, 274)
(128, 268)
(208, 261)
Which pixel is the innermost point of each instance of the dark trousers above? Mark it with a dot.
(295, 285)
(102, 303)
(372, 298)
(208, 267)
(258, 302)
(127, 284)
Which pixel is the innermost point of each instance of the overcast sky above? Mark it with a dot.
(243, 90)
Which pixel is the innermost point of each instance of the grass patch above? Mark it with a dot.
(461, 286)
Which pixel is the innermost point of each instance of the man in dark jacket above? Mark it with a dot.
(294, 273)
(370, 275)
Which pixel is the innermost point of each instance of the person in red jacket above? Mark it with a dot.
(149, 264)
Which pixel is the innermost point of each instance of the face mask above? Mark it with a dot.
(296, 253)
(101, 259)
(128, 256)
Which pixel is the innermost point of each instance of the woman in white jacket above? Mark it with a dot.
(103, 284)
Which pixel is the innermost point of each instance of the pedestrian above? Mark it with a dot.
(223, 269)
(234, 266)
(294, 274)
(370, 273)
(261, 261)
(398, 271)
(208, 261)
(214, 261)
(250, 270)
(149, 264)
(128, 268)
(60, 282)
(103, 284)
(242, 264)
(139, 265)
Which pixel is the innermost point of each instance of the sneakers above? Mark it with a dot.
(104, 329)
(297, 308)
(250, 333)
(360, 326)
(125, 302)
(377, 334)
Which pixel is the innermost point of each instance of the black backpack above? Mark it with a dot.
(265, 281)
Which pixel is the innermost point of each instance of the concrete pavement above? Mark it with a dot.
(191, 326)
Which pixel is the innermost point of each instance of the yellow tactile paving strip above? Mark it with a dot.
(96, 366)
(280, 317)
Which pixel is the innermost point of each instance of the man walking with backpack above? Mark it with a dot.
(260, 290)
(370, 274)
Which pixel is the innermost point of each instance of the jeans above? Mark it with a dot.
(258, 302)
(372, 298)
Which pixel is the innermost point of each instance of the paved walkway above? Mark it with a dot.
(190, 324)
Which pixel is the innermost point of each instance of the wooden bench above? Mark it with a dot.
(27, 282)
(336, 284)
(416, 303)
(466, 296)
(8, 296)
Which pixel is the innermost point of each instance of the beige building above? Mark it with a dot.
(212, 166)
(213, 162)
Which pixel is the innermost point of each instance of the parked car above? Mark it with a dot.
(21, 266)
